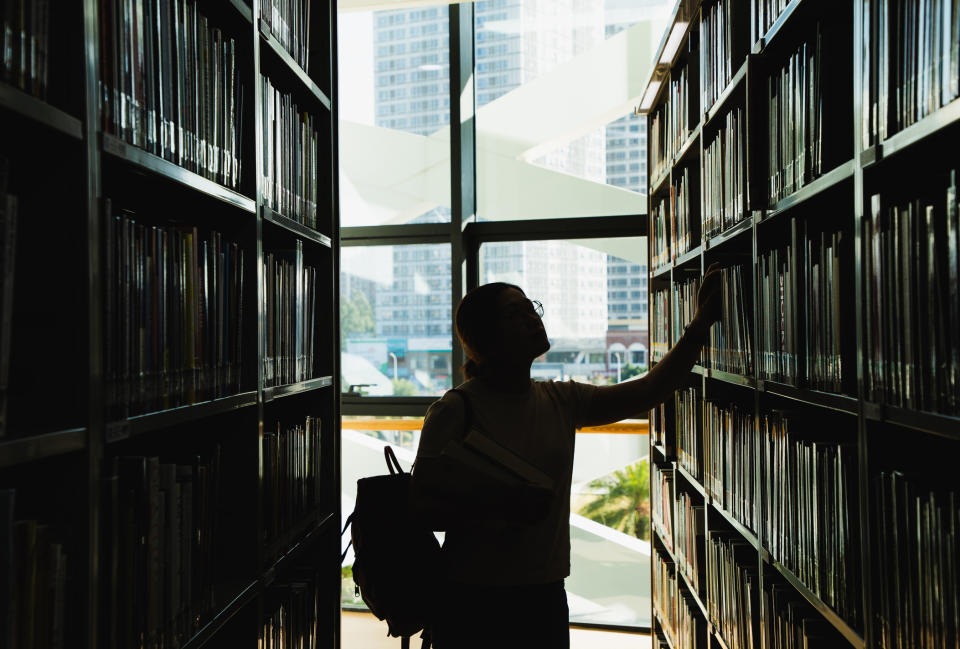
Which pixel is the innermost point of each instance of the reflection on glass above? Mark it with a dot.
(395, 320)
(394, 113)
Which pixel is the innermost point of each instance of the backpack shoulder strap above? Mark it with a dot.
(467, 413)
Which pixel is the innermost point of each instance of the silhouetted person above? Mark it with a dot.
(507, 551)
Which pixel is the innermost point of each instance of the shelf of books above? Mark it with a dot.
(169, 413)
(803, 487)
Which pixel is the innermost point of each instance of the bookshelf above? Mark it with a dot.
(825, 458)
(156, 487)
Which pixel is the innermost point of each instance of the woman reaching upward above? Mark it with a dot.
(507, 550)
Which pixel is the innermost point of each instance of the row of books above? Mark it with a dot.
(289, 22)
(33, 580)
(160, 536)
(683, 232)
(733, 590)
(664, 594)
(679, 107)
(730, 348)
(716, 51)
(290, 288)
(670, 123)
(661, 152)
(25, 53)
(290, 156)
(174, 315)
(767, 12)
(690, 531)
(731, 457)
(293, 621)
(724, 176)
(684, 305)
(688, 410)
(911, 52)
(779, 315)
(691, 627)
(912, 296)
(169, 83)
(800, 314)
(823, 324)
(810, 512)
(658, 425)
(659, 323)
(9, 207)
(660, 232)
(291, 475)
(790, 623)
(918, 561)
(661, 502)
(795, 106)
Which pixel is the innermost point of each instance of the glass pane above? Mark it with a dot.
(362, 442)
(556, 85)
(395, 320)
(594, 295)
(394, 113)
(609, 579)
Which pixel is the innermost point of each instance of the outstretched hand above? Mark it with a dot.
(710, 297)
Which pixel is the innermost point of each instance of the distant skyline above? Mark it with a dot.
(396, 77)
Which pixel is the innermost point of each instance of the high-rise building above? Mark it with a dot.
(516, 42)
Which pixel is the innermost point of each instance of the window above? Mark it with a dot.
(517, 149)
(391, 342)
(403, 176)
(395, 100)
(572, 279)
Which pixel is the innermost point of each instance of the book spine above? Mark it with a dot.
(9, 225)
(953, 291)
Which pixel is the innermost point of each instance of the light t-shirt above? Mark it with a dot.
(540, 426)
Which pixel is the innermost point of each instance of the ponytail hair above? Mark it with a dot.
(475, 322)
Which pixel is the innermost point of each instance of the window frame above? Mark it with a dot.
(465, 234)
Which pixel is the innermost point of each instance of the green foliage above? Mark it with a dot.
(348, 594)
(630, 370)
(404, 388)
(626, 504)
(356, 317)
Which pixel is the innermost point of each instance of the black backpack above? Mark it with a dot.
(396, 566)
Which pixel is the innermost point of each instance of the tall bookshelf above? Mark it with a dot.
(169, 457)
(831, 192)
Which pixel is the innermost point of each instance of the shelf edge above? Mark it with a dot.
(153, 163)
(39, 111)
(279, 51)
(31, 448)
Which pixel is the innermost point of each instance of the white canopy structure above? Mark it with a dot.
(391, 176)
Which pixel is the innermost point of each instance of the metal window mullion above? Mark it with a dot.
(463, 168)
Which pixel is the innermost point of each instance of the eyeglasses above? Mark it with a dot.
(519, 310)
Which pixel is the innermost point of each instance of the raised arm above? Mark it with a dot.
(632, 398)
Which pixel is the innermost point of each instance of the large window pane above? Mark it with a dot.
(394, 113)
(609, 579)
(594, 295)
(556, 85)
(395, 320)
